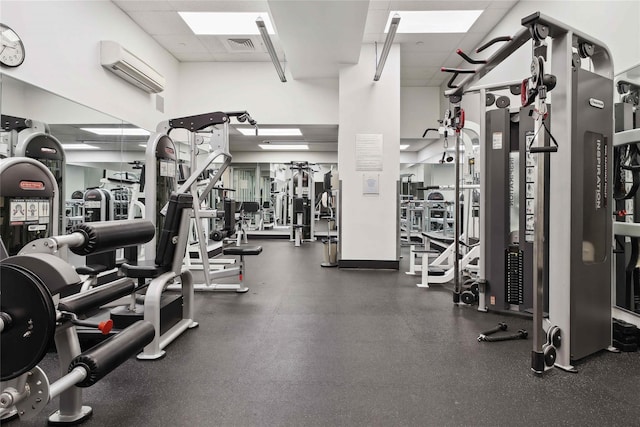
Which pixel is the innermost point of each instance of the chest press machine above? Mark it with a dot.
(580, 215)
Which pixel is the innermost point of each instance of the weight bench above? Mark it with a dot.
(242, 251)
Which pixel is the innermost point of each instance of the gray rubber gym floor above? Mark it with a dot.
(325, 347)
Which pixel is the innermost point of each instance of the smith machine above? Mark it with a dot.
(579, 207)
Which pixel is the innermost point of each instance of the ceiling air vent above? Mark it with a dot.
(241, 45)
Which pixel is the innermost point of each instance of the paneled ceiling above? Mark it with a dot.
(317, 36)
(313, 39)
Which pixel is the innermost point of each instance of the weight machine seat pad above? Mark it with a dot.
(92, 269)
(86, 301)
(242, 250)
(146, 269)
(436, 271)
(103, 358)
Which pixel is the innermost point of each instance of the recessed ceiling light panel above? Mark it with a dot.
(71, 147)
(434, 21)
(117, 131)
(250, 131)
(289, 147)
(404, 146)
(226, 23)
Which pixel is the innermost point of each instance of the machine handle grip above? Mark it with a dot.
(469, 59)
(427, 131)
(103, 358)
(109, 235)
(549, 149)
(494, 41)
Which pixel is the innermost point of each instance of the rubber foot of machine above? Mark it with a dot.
(56, 419)
(537, 362)
(242, 290)
(193, 325)
(328, 264)
(156, 356)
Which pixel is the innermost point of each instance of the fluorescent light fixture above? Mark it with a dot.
(434, 21)
(117, 131)
(404, 146)
(290, 147)
(393, 26)
(261, 25)
(71, 147)
(270, 131)
(142, 145)
(226, 23)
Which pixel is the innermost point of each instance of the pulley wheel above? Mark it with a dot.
(33, 321)
(549, 355)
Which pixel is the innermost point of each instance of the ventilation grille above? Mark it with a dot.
(241, 45)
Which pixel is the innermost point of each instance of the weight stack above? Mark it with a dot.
(625, 336)
(514, 271)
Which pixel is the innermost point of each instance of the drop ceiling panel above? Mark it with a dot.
(183, 43)
(161, 23)
(219, 6)
(214, 44)
(423, 59)
(417, 72)
(241, 57)
(142, 5)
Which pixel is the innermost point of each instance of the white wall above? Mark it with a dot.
(63, 56)
(419, 109)
(369, 223)
(255, 87)
(615, 23)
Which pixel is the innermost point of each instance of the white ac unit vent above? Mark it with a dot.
(240, 45)
(129, 67)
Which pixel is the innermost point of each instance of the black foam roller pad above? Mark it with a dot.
(109, 235)
(83, 302)
(111, 353)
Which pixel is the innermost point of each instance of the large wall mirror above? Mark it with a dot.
(98, 150)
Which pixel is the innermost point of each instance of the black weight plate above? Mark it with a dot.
(33, 321)
(515, 89)
(503, 102)
(491, 98)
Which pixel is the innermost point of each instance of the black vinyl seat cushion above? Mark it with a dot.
(92, 269)
(147, 269)
(436, 271)
(242, 250)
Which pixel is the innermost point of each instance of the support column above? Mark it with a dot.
(369, 212)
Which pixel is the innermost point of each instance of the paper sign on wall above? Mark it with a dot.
(369, 152)
(370, 183)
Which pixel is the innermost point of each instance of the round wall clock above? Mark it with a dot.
(12, 50)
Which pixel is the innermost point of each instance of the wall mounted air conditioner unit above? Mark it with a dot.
(128, 66)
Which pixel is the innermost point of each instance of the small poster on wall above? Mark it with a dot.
(369, 152)
(370, 183)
